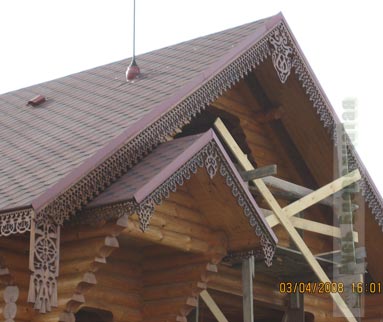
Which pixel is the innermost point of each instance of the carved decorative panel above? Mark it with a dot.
(44, 264)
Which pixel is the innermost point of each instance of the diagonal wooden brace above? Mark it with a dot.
(307, 224)
(213, 306)
(283, 215)
(316, 196)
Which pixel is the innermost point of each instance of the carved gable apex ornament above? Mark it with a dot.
(281, 54)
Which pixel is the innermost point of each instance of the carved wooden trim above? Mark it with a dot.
(15, 222)
(281, 53)
(10, 292)
(286, 50)
(99, 178)
(211, 158)
(277, 43)
(44, 264)
(10, 296)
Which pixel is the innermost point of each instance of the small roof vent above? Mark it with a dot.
(37, 100)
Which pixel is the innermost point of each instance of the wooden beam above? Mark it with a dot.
(318, 195)
(213, 306)
(270, 115)
(289, 190)
(285, 221)
(156, 292)
(184, 305)
(308, 225)
(259, 172)
(169, 238)
(293, 209)
(184, 273)
(322, 193)
(247, 287)
(228, 280)
(101, 246)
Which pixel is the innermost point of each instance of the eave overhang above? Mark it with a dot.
(167, 167)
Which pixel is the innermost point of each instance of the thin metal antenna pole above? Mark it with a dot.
(134, 29)
(133, 70)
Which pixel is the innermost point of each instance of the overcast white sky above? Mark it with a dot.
(45, 39)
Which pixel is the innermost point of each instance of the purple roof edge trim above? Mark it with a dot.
(244, 187)
(173, 166)
(158, 111)
(196, 146)
(330, 107)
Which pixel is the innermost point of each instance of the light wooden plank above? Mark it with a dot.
(273, 220)
(213, 307)
(259, 172)
(284, 220)
(307, 224)
(293, 190)
(234, 147)
(322, 193)
(299, 242)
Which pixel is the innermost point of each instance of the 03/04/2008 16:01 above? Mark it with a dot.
(329, 287)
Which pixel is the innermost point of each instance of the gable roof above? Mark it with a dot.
(86, 111)
(170, 165)
(94, 125)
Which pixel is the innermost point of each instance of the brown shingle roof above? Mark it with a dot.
(151, 171)
(83, 112)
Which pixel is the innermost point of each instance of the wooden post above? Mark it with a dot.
(350, 272)
(247, 287)
(258, 173)
(194, 315)
(295, 312)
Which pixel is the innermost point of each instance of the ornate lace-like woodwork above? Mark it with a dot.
(278, 44)
(16, 222)
(107, 213)
(281, 54)
(10, 295)
(285, 55)
(102, 176)
(328, 117)
(214, 162)
(44, 264)
(44, 252)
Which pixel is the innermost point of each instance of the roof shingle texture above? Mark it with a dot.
(153, 164)
(83, 112)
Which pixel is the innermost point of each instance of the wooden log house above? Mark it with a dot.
(196, 192)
